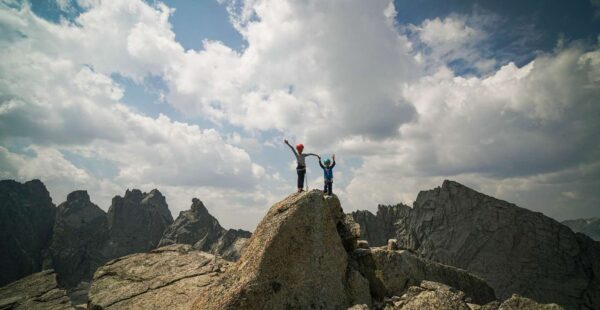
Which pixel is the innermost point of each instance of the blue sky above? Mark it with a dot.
(195, 98)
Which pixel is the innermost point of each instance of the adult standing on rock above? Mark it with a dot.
(301, 160)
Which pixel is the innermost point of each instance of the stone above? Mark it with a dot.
(516, 302)
(431, 296)
(26, 223)
(37, 291)
(80, 234)
(589, 227)
(200, 229)
(392, 245)
(391, 273)
(136, 222)
(165, 278)
(513, 249)
(363, 244)
(295, 259)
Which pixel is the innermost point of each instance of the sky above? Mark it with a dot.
(195, 98)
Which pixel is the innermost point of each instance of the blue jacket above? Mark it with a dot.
(327, 171)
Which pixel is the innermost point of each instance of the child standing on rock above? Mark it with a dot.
(301, 160)
(328, 174)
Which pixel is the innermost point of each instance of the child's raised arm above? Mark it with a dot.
(292, 148)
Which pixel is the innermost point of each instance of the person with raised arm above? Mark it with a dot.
(301, 162)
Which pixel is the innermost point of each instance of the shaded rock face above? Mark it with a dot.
(294, 260)
(26, 221)
(80, 234)
(513, 249)
(589, 227)
(37, 291)
(136, 222)
(165, 278)
(390, 273)
(200, 229)
(377, 229)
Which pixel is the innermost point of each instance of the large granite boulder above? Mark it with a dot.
(165, 278)
(136, 222)
(37, 291)
(513, 249)
(294, 260)
(26, 221)
(590, 227)
(80, 234)
(391, 273)
(200, 229)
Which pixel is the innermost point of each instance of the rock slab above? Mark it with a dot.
(166, 278)
(37, 291)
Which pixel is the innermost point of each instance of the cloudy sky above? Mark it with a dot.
(195, 98)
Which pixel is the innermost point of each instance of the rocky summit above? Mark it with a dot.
(200, 229)
(80, 235)
(26, 221)
(513, 249)
(136, 222)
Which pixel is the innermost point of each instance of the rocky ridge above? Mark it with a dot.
(198, 228)
(26, 222)
(589, 227)
(513, 249)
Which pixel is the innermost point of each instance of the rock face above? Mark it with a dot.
(429, 295)
(200, 229)
(37, 291)
(26, 221)
(165, 278)
(513, 249)
(589, 227)
(294, 260)
(80, 234)
(378, 229)
(136, 222)
(390, 273)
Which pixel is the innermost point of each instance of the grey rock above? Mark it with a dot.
(200, 229)
(294, 260)
(516, 302)
(136, 222)
(391, 273)
(37, 291)
(26, 221)
(589, 227)
(80, 234)
(513, 249)
(165, 278)
(377, 229)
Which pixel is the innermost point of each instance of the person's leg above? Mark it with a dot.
(325, 187)
(301, 174)
(330, 188)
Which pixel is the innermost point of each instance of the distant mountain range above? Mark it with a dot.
(589, 226)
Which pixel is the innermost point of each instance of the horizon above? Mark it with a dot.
(195, 99)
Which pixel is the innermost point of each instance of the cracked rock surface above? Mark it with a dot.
(37, 291)
(165, 278)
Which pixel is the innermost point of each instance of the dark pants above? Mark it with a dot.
(328, 187)
(301, 173)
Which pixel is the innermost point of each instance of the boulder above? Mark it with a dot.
(37, 291)
(165, 278)
(294, 260)
(391, 273)
(80, 234)
(26, 222)
(513, 249)
(136, 222)
(200, 229)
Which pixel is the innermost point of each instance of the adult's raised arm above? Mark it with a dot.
(291, 147)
